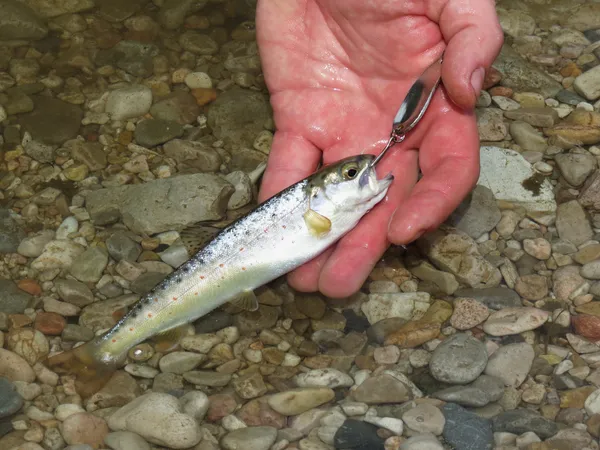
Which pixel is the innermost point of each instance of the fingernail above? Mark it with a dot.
(477, 79)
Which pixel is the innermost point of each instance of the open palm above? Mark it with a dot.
(337, 72)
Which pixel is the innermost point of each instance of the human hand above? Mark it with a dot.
(337, 71)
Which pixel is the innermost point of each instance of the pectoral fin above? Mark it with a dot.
(317, 224)
(246, 301)
(196, 236)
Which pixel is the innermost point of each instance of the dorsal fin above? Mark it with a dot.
(245, 300)
(195, 237)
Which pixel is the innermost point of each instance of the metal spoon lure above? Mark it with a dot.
(414, 106)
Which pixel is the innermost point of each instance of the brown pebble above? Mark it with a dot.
(492, 78)
(204, 95)
(84, 428)
(501, 91)
(587, 326)
(570, 70)
(18, 320)
(125, 137)
(221, 405)
(50, 323)
(150, 243)
(593, 425)
(30, 286)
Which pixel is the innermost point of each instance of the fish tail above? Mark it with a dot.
(91, 366)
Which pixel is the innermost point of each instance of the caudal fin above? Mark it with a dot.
(91, 371)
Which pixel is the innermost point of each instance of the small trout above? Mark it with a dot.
(279, 235)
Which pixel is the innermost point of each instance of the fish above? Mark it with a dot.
(228, 264)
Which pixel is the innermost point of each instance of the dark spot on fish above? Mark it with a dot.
(534, 183)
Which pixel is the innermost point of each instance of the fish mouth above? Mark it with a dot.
(369, 178)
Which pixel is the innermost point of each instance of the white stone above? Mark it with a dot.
(65, 410)
(588, 84)
(129, 102)
(503, 172)
(384, 306)
(514, 320)
(592, 403)
(159, 419)
(68, 226)
(198, 80)
(329, 377)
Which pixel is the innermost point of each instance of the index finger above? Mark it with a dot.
(291, 159)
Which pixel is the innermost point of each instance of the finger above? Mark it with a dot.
(292, 158)
(449, 160)
(474, 38)
(357, 253)
(306, 277)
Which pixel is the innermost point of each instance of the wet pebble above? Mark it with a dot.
(511, 363)
(468, 313)
(297, 401)
(331, 378)
(10, 400)
(458, 360)
(84, 428)
(466, 430)
(357, 435)
(250, 438)
(514, 320)
(159, 419)
(125, 440)
(180, 362)
(522, 420)
(425, 418)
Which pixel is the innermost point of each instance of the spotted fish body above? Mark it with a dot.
(276, 237)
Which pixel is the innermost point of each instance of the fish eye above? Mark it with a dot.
(350, 171)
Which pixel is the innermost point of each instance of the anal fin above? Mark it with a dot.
(169, 339)
(246, 301)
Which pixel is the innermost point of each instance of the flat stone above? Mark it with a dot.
(425, 418)
(514, 321)
(12, 299)
(572, 223)
(477, 214)
(297, 401)
(53, 121)
(19, 21)
(466, 430)
(516, 183)
(459, 359)
(162, 205)
(522, 76)
(511, 363)
(357, 435)
(382, 389)
(521, 420)
(238, 115)
(159, 419)
(250, 438)
(10, 400)
(493, 298)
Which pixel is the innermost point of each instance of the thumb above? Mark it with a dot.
(474, 38)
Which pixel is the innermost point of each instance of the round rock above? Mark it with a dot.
(10, 400)
(458, 360)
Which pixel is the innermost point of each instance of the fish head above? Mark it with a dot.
(350, 185)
